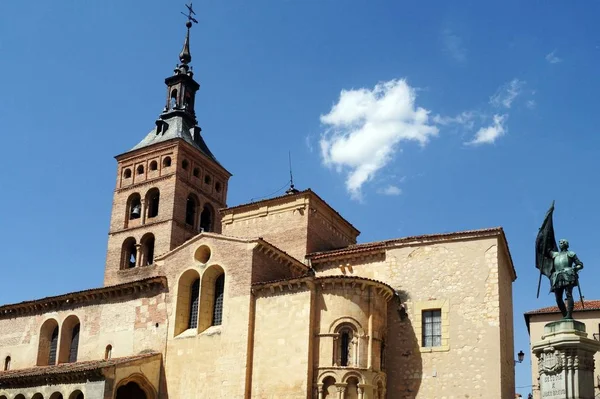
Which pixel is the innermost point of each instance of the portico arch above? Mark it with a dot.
(136, 386)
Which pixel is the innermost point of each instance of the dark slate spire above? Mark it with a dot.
(185, 57)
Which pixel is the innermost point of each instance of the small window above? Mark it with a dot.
(166, 162)
(196, 172)
(53, 347)
(194, 300)
(108, 352)
(218, 187)
(127, 173)
(153, 165)
(218, 307)
(7, 363)
(345, 338)
(382, 356)
(190, 210)
(185, 164)
(207, 179)
(432, 328)
(140, 170)
(74, 344)
(153, 199)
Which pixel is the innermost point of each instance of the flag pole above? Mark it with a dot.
(543, 253)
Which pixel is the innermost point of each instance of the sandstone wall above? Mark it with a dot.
(459, 278)
(282, 345)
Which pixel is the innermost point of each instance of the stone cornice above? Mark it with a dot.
(82, 297)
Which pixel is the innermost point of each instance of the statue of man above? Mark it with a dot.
(558, 264)
(564, 277)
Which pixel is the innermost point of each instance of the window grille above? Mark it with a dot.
(74, 344)
(53, 346)
(194, 298)
(218, 308)
(432, 328)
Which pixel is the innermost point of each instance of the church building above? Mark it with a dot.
(272, 299)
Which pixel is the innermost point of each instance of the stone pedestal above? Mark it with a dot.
(566, 361)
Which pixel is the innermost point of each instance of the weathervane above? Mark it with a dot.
(190, 13)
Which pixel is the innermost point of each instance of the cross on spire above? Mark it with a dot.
(185, 56)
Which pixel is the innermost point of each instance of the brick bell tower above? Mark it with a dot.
(169, 186)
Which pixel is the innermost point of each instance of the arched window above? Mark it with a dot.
(127, 173)
(76, 395)
(140, 169)
(108, 352)
(207, 179)
(166, 162)
(190, 210)
(218, 187)
(56, 395)
(69, 341)
(185, 164)
(48, 343)
(206, 218)
(194, 302)
(196, 172)
(37, 396)
(329, 388)
(212, 292)
(186, 313)
(134, 206)
(173, 101)
(53, 346)
(7, 363)
(147, 243)
(346, 345)
(153, 165)
(152, 200)
(382, 355)
(218, 307)
(128, 254)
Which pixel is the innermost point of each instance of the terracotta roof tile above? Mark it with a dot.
(369, 246)
(589, 305)
(21, 376)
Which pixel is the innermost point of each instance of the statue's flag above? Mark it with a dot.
(544, 243)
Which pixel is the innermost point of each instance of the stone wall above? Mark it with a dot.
(129, 326)
(282, 344)
(458, 277)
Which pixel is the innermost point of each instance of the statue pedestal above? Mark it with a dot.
(566, 361)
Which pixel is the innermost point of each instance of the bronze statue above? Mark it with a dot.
(560, 266)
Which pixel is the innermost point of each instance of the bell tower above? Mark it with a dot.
(169, 186)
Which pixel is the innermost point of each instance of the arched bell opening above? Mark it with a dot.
(128, 254)
(147, 243)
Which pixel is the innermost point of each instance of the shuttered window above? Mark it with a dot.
(432, 328)
(194, 299)
(218, 307)
(53, 347)
(74, 344)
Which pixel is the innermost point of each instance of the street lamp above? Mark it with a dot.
(520, 356)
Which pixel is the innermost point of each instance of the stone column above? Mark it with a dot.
(138, 254)
(566, 361)
(361, 392)
(341, 389)
(320, 391)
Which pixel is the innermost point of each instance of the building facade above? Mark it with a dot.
(538, 318)
(271, 299)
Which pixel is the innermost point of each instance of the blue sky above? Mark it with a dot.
(407, 117)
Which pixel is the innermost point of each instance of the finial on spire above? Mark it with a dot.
(185, 56)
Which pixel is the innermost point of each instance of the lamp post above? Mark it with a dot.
(520, 357)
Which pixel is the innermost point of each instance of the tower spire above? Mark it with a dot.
(185, 57)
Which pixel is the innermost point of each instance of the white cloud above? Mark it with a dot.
(465, 118)
(390, 190)
(364, 128)
(531, 104)
(489, 134)
(453, 45)
(308, 142)
(506, 94)
(553, 58)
